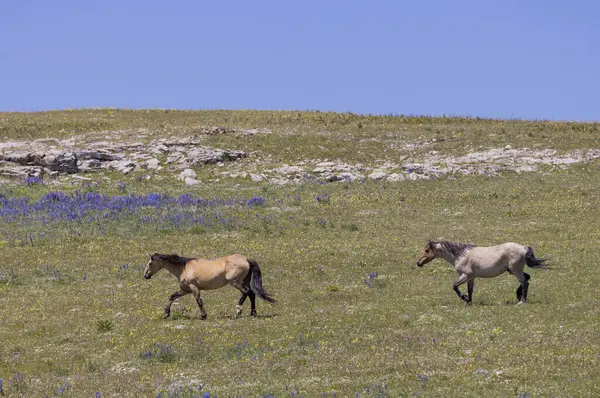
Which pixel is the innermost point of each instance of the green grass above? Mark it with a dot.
(99, 326)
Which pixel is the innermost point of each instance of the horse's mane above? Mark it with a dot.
(173, 258)
(456, 249)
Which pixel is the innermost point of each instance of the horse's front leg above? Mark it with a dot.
(461, 279)
(173, 297)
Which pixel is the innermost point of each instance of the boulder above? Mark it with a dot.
(152, 164)
(187, 173)
(378, 175)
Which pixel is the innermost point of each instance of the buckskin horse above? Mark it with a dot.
(197, 274)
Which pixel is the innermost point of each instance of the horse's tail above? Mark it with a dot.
(532, 261)
(256, 284)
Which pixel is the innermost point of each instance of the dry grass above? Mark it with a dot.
(405, 332)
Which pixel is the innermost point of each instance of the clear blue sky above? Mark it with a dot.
(506, 58)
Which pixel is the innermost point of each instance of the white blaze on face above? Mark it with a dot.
(147, 271)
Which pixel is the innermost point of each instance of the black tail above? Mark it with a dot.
(532, 261)
(256, 283)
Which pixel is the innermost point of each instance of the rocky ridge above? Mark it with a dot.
(179, 157)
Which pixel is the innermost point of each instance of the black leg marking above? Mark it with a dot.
(252, 303)
(173, 297)
(460, 295)
(201, 305)
(470, 290)
(242, 299)
(526, 285)
(525, 288)
(461, 279)
(519, 292)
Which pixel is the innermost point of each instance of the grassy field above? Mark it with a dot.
(355, 315)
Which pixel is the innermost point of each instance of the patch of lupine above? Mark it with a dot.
(161, 353)
(323, 199)
(121, 270)
(33, 181)
(18, 382)
(372, 281)
(28, 221)
(64, 389)
(423, 379)
(51, 272)
(377, 389)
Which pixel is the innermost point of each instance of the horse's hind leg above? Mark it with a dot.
(244, 288)
(523, 278)
(526, 287)
(470, 284)
(196, 293)
(461, 279)
(246, 292)
(240, 304)
(250, 294)
(252, 303)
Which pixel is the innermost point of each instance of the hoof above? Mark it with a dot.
(203, 317)
(167, 314)
(253, 313)
(521, 302)
(239, 310)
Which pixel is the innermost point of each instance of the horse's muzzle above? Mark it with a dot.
(419, 264)
(147, 276)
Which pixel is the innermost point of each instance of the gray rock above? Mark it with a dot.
(123, 166)
(256, 131)
(177, 157)
(152, 164)
(205, 155)
(159, 149)
(378, 175)
(103, 155)
(91, 165)
(21, 171)
(187, 173)
(191, 181)
(64, 162)
(395, 177)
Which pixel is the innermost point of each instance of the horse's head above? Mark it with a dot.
(427, 254)
(155, 264)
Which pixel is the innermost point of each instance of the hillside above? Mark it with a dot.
(335, 208)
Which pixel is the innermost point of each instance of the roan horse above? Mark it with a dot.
(472, 262)
(196, 274)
